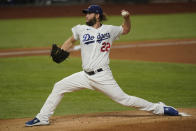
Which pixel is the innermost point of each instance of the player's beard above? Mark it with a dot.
(91, 22)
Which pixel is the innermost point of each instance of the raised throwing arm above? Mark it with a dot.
(127, 22)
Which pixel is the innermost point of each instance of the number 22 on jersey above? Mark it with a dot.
(105, 47)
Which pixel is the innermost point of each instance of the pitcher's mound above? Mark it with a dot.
(110, 121)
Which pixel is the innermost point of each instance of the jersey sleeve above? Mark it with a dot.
(75, 31)
(117, 31)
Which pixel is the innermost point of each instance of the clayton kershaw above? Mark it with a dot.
(95, 41)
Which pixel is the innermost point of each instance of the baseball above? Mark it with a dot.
(124, 13)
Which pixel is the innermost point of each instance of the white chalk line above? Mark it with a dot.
(24, 52)
(44, 51)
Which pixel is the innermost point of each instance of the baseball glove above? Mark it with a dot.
(58, 55)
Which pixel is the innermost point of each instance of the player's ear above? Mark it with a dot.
(97, 16)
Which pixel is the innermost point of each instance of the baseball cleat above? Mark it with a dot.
(183, 114)
(170, 111)
(36, 122)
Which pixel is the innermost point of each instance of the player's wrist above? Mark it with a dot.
(127, 18)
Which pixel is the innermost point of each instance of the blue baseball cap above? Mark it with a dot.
(93, 9)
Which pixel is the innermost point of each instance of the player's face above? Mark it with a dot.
(91, 19)
(90, 16)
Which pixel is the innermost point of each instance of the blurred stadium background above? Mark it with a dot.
(68, 2)
(61, 8)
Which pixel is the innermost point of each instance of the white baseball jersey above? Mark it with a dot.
(95, 44)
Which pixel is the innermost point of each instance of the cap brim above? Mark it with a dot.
(85, 11)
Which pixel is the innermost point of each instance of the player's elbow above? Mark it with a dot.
(126, 31)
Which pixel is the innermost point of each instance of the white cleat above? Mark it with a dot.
(183, 114)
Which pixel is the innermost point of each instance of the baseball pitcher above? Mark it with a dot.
(95, 40)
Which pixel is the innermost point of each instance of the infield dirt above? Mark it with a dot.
(110, 121)
(156, 51)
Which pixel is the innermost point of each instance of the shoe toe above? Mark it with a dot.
(170, 111)
(32, 122)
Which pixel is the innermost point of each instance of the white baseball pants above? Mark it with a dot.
(102, 81)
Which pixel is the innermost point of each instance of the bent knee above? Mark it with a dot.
(63, 87)
(57, 87)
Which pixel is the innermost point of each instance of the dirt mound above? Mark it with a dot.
(110, 121)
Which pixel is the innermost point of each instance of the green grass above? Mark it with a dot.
(27, 81)
(17, 33)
